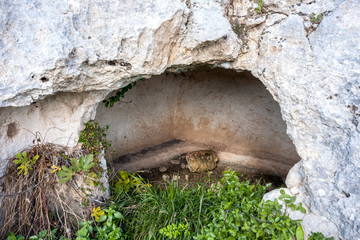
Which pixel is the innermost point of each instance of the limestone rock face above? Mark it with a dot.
(78, 51)
(201, 161)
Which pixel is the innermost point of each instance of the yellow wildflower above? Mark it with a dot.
(55, 169)
(97, 213)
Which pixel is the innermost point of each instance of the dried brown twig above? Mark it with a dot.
(25, 205)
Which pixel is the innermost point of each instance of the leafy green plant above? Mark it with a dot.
(84, 232)
(319, 236)
(12, 236)
(316, 18)
(43, 235)
(107, 226)
(93, 138)
(126, 181)
(80, 166)
(230, 210)
(173, 231)
(260, 5)
(290, 200)
(120, 94)
(26, 163)
(242, 214)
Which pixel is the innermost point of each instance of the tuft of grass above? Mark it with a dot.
(156, 208)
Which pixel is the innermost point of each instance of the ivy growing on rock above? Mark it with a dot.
(119, 94)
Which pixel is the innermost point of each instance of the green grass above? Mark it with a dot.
(229, 209)
(148, 212)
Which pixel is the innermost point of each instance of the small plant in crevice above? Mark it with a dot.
(93, 138)
(120, 94)
(260, 6)
(316, 18)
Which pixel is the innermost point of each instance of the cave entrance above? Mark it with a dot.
(172, 114)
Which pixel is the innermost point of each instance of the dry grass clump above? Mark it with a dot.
(25, 206)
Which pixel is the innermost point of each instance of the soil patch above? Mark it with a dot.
(177, 170)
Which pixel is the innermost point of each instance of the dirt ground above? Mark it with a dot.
(177, 170)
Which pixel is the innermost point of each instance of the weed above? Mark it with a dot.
(242, 214)
(26, 163)
(93, 138)
(174, 230)
(107, 225)
(81, 166)
(43, 235)
(316, 18)
(120, 94)
(319, 236)
(260, 6)
(127, 181)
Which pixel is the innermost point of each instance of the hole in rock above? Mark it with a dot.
(167, 116)
(112, 63)
(44, 79)
(12, 130)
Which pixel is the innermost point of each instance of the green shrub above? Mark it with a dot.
(242, 214)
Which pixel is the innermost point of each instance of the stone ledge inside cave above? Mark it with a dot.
(171, 114)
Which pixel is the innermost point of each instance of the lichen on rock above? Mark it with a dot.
(201, 161)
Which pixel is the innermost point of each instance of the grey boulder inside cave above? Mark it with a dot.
(58, 61)
(171, 114)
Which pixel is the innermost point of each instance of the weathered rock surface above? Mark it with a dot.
(201, 161)
(80, 51)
